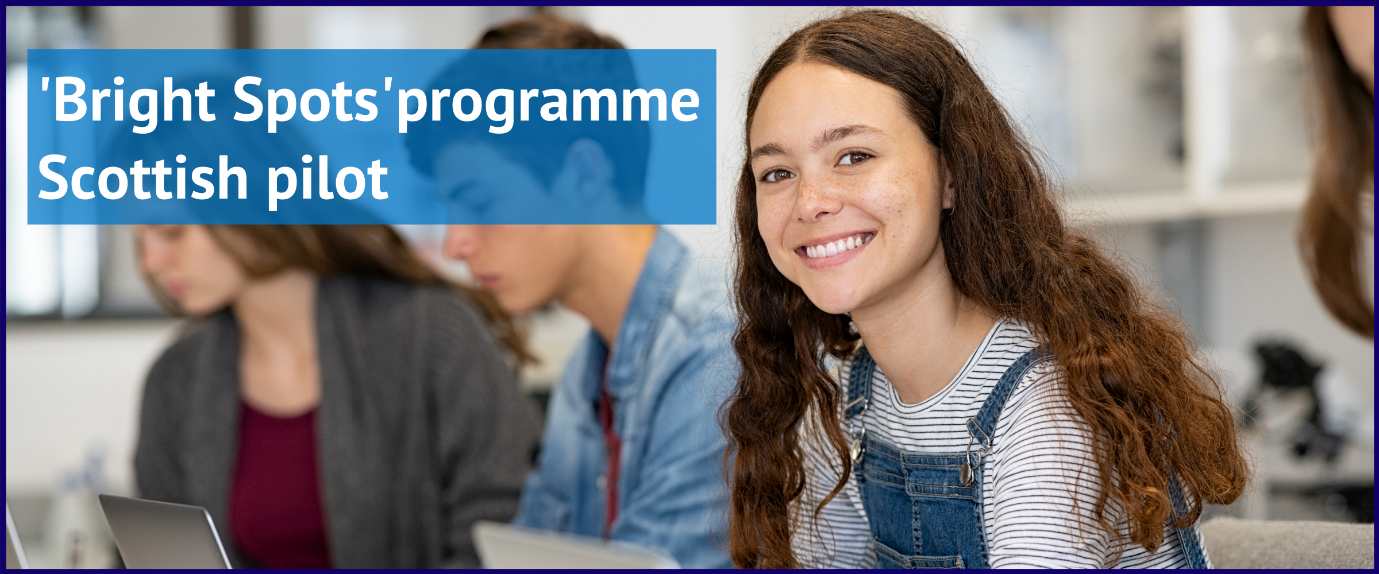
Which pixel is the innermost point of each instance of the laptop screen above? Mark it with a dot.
(153, 534)
(14, 552)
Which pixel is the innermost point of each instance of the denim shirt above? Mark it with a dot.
(671, 368)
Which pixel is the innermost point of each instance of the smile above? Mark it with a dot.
(839, 246)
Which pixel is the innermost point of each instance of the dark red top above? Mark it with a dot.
(613, 443)
(276, 514)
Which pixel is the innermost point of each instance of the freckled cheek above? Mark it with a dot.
(891, 199)
(773, 219)
(773, 215)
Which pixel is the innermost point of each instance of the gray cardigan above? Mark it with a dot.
(421, 428)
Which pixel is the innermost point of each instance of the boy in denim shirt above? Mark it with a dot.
(632, 449)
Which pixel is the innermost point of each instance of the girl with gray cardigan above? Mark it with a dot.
(333, 402)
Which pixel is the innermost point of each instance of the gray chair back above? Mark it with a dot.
(1235, 543)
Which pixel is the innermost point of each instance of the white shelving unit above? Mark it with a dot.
(1211, 105)
(1176, 113)
(1185, 204)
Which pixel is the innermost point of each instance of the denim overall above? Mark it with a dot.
(925, 510)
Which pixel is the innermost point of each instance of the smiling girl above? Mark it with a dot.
(936, 372)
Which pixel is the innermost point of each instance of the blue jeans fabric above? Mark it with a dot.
(670, 369)
(925, 510)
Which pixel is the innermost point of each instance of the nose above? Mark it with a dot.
(461, 242)
(156, 256)
(816, 200)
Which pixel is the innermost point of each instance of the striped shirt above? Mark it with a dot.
(1040, 482)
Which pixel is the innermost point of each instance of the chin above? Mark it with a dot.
(832, 307)
(518, 303)
(196, 309)
(832, 300)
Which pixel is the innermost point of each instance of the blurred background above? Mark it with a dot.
(1178, 136)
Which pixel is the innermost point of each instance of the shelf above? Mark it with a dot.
(1178, 204)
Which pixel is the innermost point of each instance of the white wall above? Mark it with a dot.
(71, 386)
(190, 27)
(396, 27)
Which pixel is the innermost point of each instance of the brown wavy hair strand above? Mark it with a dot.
(1343, 116)
(1131, 371)
(362, 250)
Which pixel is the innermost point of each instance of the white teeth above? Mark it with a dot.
(840, 246)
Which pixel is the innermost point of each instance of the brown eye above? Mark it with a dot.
(776, 175)
(853, 158)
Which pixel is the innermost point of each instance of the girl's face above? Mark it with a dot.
(188, 265)
(1354, 29)
(849, 194)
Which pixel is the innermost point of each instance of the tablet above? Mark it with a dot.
(507, 546)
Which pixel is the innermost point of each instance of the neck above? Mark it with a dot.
(607, 274)
(922, 334)
(276, 314)
(279, 373)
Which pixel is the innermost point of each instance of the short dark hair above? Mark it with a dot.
(545, 31)
(601, 63)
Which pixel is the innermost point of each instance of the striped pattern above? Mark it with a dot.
(1040, 481)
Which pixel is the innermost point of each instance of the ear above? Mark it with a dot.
(948, 190)
(587, 174)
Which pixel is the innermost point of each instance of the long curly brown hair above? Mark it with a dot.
(1343, 116)
(1131, 372)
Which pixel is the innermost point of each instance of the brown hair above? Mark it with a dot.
(1131, 372)
(588, 58)
(545, 31)
(362, 250)
(1343, 113)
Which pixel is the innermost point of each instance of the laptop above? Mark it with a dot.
(153, 534)
(14, 551)
(507, 546)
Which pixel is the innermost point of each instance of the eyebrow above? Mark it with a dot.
(836, 134)
(764, 151)
(827, 137)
